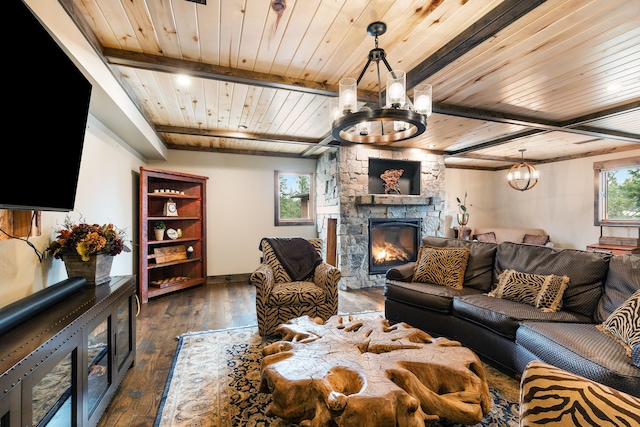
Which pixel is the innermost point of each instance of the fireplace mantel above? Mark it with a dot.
(393, 199)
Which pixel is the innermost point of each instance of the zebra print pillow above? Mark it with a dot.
(551, 396)
(544, 292)
(624, 323)
(441, 266)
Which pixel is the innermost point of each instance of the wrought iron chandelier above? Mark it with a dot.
(396, 120)
(523, 176)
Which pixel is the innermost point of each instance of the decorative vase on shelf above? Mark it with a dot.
(463, 219)
(159, 233)
(96, 271)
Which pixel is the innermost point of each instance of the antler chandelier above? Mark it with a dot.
(396, 120)
(523, 176)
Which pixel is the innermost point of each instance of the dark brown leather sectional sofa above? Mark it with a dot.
(510, 334)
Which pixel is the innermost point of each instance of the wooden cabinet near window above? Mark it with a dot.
(167, 265)
(613, 249)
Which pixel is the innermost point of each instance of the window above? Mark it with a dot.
(294, 198)
(617, 192)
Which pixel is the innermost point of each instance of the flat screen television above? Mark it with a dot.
(47, 106)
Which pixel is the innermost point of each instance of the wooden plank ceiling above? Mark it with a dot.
(559, 78)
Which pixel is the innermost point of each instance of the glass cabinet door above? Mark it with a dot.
(53, 394)
(124, 344)
(98, 371)
(10, 408)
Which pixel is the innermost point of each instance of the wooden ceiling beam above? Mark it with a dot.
(234, 151)
(164, 64)
(498, 19)
(493, 142)
(571, 126)
(247, 136)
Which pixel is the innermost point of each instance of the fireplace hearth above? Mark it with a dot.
(392, 242)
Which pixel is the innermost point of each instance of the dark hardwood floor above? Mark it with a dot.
(163, 319)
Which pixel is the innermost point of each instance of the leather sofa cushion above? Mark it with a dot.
(586, 270)
(503, 317)
(402, 272)
(581, 347)
(623, 280)
(479, 272)
(425, 295)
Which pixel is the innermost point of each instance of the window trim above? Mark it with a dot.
(598, 168)
(296, 221)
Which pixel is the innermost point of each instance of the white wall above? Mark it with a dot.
(240, 204)
(240, 210)
(105, 194)
(479, 203)
(561, 203)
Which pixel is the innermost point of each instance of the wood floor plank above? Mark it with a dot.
(218, 305)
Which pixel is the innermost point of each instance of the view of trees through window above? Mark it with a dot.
(622, 194)
(294, 198)
(294, 189)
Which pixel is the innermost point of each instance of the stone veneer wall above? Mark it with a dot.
(341, 192)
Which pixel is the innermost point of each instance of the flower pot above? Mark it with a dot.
(96, 271)
(463, 219)
(159, 233)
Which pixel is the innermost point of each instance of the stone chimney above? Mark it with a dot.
(343, 182)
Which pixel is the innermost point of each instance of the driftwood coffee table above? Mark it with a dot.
(352, 372)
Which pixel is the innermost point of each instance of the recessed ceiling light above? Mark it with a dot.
(242, 127)
(183, 80)
(616, 87)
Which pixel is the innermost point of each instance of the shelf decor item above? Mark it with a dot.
(96, 270)
(87, 250)
(462, 216)
(158, 229)
(170, 208)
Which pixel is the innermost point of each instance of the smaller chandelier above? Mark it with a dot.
(523, 176)
(396, 120)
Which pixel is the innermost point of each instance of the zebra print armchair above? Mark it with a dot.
(279, 298)
(551, 396)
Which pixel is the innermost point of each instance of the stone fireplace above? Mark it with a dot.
(392, 242)
(349, 189)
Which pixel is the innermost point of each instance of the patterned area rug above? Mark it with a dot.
(215, 379)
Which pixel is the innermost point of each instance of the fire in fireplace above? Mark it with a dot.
(392, 242)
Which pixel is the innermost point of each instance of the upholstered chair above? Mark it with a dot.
(550, 396)
(279, 297)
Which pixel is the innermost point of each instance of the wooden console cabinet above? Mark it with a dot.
(613, 249)
(165, 264)
(63, 365)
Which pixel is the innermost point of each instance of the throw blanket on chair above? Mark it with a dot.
(298, 257)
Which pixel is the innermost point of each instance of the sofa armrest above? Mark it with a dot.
(264, 281)
(327, 277)
(403, 273)
(550, 395)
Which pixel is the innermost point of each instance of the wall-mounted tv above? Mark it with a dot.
(47, 107)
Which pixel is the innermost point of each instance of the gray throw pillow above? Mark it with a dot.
(489, 237)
